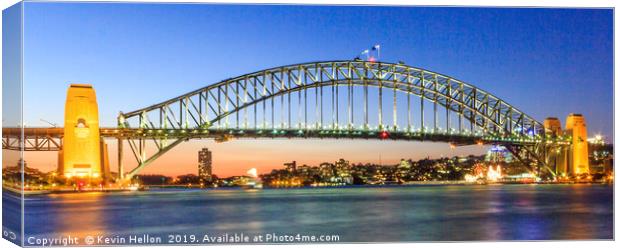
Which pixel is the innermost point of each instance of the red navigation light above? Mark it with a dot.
(384, 135)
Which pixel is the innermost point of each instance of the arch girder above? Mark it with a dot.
(232, 93)
(259, 91)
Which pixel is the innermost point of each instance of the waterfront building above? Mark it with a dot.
(326, 170)
(403, 169)
(343, 171)
(601, 157)
(12, 175)
(404, 164)
(291, 167)
(498, 154)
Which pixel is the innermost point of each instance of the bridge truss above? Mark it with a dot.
(336, 99)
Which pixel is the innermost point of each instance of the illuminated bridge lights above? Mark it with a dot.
(384, 135)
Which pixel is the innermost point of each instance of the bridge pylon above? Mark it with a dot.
(84, 153)
(557, 158)
(568, 160)
(578, 157)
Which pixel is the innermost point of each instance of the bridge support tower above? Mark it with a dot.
(121, 170)
(578, 158)
(84, 156)
(569, 160)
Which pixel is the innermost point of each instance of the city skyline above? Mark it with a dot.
(226, 155)
(541, 57)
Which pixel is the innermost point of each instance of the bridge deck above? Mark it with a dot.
(226, 134)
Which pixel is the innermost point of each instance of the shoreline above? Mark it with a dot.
(147, 188)
(18, 192)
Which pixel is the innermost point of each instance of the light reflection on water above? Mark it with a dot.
(357, 214)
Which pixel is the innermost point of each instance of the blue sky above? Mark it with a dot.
(546, 62)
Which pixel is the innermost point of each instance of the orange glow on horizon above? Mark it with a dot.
(237, 157)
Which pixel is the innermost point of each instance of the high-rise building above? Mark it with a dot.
(205, 165)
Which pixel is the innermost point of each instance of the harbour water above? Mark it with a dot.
(353, 214)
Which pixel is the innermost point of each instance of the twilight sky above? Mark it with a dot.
(546, 62)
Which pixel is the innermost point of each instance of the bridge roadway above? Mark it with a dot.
(50, 139)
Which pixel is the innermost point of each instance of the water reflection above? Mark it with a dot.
(68, 214)
(357, 214)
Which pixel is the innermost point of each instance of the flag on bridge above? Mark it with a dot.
(372, 54)
(378, 49)
(364, 53)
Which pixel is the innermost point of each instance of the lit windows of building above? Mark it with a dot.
(291, 167)
(205, 165)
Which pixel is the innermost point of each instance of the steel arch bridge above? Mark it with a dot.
(336, 99)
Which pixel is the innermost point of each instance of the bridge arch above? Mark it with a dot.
(207, 109)
(480, 107)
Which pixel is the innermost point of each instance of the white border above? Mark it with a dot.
(511, 3)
